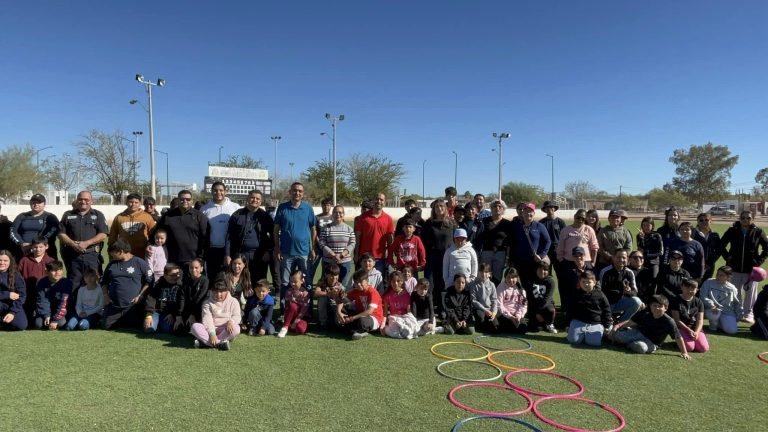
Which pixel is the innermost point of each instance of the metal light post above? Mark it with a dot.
(330, 139)
(552, 196)
(500, 136)
(37, 156)
(455, 170)
(291, 164)
(220, 147)
(149, 84)
(136, 135)
(423, 195)
(275, 139)
(167, 176)
(333, 121)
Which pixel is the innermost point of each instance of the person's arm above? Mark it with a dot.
(356, 256)
(544, 242)
(101, 232)
(392, 256)
(61, 312)
(681, 347)
(276, 237)
(51, 226)
(43, 304)
(473, 264)
(203, 240)
(447, 263)
(113, 231)
(675, 314)
(15, 236)
(763, 242)
(312, 237)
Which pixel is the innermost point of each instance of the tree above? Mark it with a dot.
(663, 198)
(761, 178)
(579, 191)
(18, 171)
(368, 175)
(106, 163)
(318, 183)
(515, 192)
(703, 173)
(242, 161)
(62, 173)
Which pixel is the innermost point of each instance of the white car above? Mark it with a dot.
(722, 211)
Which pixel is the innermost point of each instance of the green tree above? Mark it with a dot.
(761, 178)
(242, 161)
(579, 191)
(703, 173)
(107, 163)
(18, 171)
(318, 183)
(515, 192)
(663, 198)
(368, 175)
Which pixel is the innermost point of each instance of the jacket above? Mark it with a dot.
(458, 305)
(742, 254)
(461, 260)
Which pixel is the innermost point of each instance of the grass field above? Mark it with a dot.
(97, 380)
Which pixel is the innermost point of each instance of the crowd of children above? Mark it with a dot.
(626, 302)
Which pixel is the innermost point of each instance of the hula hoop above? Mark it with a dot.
(478, 338)
(615, 413)
(452, 398)
(464, 379)
(535, 393)
(551, 366)
(443, 356)
(762, 357)
(460, 423)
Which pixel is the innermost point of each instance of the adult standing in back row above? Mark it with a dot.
(218, 211)
(187, 230)
(748, 249)
(293, 234)
(374, 232)
(33, 224)
(81, 231)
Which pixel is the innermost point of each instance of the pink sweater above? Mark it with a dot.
(217, 314)
(512, 301)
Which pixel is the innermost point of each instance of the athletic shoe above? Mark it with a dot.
(448, 329)
(224, 346)
(197, 344)
(550, 328)
(748, 319)
(439, 329)
(252, 332)
(283, 331)
(358, 336)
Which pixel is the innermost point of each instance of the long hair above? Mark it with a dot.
(12, 270)
(245, 276)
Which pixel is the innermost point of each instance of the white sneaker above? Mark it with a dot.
(550, 328)
(283, 331)
(197, 343)
(439, 330)
(358, 336)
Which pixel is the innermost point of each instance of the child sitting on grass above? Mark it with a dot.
(760, 312)
(375, 279)
(328, 292)
(259, 309)
(162, 306)
(194, 293)
(458, 308)
(221, 318)
(541, 306)
(360, 311)
(648, 328)
(721, 302)
(482, 291)
(399, 322)
(90, 303)
(53, 293)
(13, 293)
(127, 279)
(297, 301)
(688, 312)
(591, 313)
(513, 304)
(423, 309)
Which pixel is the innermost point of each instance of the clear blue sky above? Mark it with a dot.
(610, 88)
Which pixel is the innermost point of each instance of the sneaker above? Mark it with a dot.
(748, 319)
(439, 330)
(358, 336)
(252, 332)
(448, 329)
(550, 328)
(196, 344)
(283, 331)
(224, 346)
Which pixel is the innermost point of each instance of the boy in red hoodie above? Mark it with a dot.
(407, 249)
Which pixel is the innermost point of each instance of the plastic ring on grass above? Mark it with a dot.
(460, 423)
(551, 366)
(443, 356)
(452, 398)
(762, 357)
(615, 413)
(478, 338)
(470, 361)
(535, 393)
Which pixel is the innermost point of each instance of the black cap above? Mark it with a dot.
(578, 250)
(676, 253)
(549, 204)
(37, 198)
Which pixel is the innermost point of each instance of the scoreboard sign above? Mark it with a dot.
(239, 187)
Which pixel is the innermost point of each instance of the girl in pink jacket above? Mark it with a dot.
(220, 318)
(513, 304)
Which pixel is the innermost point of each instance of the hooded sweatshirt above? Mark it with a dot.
(512, 301)
(216, 314)
(461, 260)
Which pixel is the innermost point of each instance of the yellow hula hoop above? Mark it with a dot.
(490, 359)
(443, 356)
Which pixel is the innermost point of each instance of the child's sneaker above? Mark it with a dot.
(448, 329)
(196, 344)
(358, 336)
(550, 328)
(283, 331)
(439, 330)
(252, 332)
(224, 346)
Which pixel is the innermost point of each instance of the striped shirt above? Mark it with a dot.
(334, 238)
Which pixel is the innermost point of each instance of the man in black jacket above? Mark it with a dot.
(745, 240)
(250, 234)
(187, 230)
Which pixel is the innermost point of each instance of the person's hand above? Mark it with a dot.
(312, 254)
(627, 287)
(148, 251)
(278, 255)
(136, 300)
(169, 319)
(227, 260)
(230, 326)
(429, 326)
(53, 326)
(8, 318)
(694, 334)
(14, 296)
(82, 315)
(47, 321)
(179, 322)
(267, 257)
(262, 332)
(293, 325)
(214, 340)
(147, 322)
(488, 313)
(685, 356)
(190, 321)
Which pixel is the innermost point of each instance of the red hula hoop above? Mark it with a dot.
(579, 385)
(615, 413)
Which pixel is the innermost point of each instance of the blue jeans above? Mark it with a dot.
(580, 332)
(290, 263)
(83, 323)
(253, 321)
(627, 306)
(381, 265)
(160, 324)
(635, 341)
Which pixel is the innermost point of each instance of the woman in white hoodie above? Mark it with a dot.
(460, 258)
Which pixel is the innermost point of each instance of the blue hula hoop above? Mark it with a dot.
(460, 423)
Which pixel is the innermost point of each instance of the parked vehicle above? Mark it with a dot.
(722, 211)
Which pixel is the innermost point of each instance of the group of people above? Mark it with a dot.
(204, 271)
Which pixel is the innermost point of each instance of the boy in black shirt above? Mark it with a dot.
(648, 329)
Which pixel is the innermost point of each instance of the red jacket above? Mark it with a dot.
(407, 252)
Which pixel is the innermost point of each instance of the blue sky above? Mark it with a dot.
(609, 88)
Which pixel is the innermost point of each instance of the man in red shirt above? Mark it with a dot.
(374, 233)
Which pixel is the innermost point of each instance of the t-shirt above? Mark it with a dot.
(373, 232)
(655, 329)
(689, 310)
(295, 228)
(362, 299)
(125, 279)
(397, 303)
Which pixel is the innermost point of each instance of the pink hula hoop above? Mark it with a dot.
(579, 385)
(615, 413)
(452, 398)
(762, 357)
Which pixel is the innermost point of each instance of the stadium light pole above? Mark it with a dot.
(334, 120)
(167, 176)
(291, 164)
(136, 135)
(149, 84)
(500, 136)
(37, 156)
(455, 170)
(423, 196)
(552, 196)
(325, 134)
(220, 147)
(275, 139)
